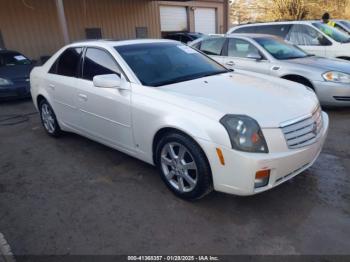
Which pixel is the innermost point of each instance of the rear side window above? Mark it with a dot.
(68, 63)
(98, 62)
(212, 46)
(276, 30)
(305, 35)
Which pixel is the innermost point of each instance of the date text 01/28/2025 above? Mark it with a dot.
(173, 258)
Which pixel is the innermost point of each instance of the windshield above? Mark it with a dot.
(335, 34)
(345, 23)
(157, 64)
(13, 59)
(279, 49)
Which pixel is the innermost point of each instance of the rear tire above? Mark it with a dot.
(48, 119)
(183, 166)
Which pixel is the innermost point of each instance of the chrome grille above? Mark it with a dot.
(304, 131)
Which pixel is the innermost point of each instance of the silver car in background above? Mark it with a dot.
(269, 55)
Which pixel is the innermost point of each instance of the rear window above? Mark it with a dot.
(13, 59)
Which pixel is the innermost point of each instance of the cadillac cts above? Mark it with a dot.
(203, 126)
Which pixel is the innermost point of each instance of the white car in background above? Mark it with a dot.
(314, 37)
(167, 104)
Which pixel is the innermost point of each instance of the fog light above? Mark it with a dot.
(262, 178)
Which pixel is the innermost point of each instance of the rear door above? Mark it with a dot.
(237, 56)
(309, 39)
(105, 113)
(61, 82)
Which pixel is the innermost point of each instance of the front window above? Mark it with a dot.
(158, 64)
(241, 48)
(280, 50)
(98, 62)
(332, 32)
(13, 59)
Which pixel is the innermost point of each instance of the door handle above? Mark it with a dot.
(52, 86)
(230, 63)
(83, 97)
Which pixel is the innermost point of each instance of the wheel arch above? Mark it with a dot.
(166, 130)
(299, 79)
(40, 98)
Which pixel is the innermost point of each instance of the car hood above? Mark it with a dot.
(15, 72)
(325, 64)
(268, 100)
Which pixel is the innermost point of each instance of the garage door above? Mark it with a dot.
(205, 20)
(173, 18)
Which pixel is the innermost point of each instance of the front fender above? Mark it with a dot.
(149, 118)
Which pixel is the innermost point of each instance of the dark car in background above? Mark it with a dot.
(183, 37)
(14, 74)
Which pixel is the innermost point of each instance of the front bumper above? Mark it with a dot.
(237, 176)
(21, 90)
(332, 94)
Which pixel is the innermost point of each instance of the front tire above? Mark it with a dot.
(183, 166)
(48, 119)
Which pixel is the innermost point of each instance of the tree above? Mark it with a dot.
(245, 11)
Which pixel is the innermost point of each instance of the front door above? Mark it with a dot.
(238, 56)
(105, 113)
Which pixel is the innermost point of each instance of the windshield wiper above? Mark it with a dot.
(188, 78)
(296, 57)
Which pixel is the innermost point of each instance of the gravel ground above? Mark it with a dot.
(74, 196)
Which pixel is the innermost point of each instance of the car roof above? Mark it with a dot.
(113, 43)
(251, 36)
(279, 23)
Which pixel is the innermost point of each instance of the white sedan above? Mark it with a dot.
(203, 126)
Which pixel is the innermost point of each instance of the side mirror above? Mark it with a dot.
(254, 56)
(107, 81)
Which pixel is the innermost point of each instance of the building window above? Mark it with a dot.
(2, 44)
(93, 33)
(141, 32)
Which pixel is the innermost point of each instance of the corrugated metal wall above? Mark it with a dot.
(117, 19)
(30, 26)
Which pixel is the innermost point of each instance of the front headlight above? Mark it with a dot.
(5, 82)
(245, 133)
(337, 77)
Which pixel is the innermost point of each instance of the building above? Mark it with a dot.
(40, 27)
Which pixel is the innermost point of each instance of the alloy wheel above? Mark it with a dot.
(48, 118)
(179, 167)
